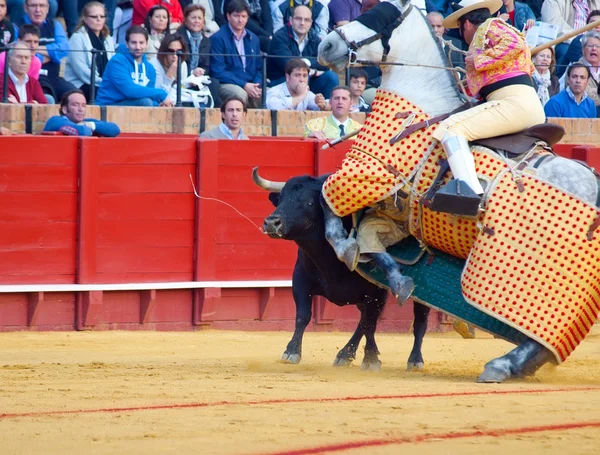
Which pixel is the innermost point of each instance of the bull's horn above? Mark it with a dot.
(275, 187)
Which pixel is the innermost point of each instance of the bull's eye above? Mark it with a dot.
(310, 204)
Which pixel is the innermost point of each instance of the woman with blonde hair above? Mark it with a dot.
(544, 80)
(90, 33)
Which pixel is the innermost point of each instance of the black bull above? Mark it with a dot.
(298, 216)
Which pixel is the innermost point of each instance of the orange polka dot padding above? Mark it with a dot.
(363, 178)
(537, 271)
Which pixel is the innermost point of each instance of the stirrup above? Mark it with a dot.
(350, 254)
(457, 198)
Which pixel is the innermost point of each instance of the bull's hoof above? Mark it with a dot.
(342, 362)
(463, 329)
(494, 372)
(371, 365)
(415, 366)
(291, 358)
(402, 289)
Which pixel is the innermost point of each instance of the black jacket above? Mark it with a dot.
(204, 60)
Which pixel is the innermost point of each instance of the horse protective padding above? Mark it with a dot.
(437, 284)
(533, 267)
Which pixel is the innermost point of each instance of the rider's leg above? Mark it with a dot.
(345, 248)
(400, 285)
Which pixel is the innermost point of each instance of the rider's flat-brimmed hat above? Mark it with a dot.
(466, 6)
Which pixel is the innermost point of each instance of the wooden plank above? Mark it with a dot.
(89, 309)
(87, 232)
(243, 256)
(144, 259)
(36, 151)
(280, 153)
(172, 306)
(38, 261)
(241, 230)
(237, 179)
(146, 178)
(26, 177)
(141, 232)
(147, 302)
(47, 278)
(149, 150)
(151, 206)
(17, 235)
(134, 276)
(38, 205)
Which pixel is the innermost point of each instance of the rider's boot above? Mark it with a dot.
(400, 285)
(346, 248)
(462, 195)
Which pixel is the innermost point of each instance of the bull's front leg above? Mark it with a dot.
(303, 301)
(421, 313)
(368, 320)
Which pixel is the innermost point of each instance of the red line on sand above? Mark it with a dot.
(497, 433)
(294, 401)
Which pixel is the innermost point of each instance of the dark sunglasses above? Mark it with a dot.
(97, 16)
(174, 51)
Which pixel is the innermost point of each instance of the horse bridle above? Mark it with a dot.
(354, 46)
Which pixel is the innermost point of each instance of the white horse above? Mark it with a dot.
(408, 39)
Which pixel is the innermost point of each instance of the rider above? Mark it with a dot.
(499, 70)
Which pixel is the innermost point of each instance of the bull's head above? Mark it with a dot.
(298, 210)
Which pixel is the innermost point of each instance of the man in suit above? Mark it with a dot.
(339, 123)
(233, 113)
(435, 19)
(21, 87)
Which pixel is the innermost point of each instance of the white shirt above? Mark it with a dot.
(280, 98)
(20, 87)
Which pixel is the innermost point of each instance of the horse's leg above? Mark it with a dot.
(348, 353)
(421, 313)
(368, 320)
(303, 300)
(400, 285)
(346, 249)
(522, 361)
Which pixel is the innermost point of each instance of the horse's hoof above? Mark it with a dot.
(341, 362)
(463, 329)
(291, 358)
(415, 366)
(371, 365)
(493, 373)
(403, 289)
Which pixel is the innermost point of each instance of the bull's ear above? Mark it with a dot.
(274, 198)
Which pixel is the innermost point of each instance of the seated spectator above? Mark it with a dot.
(53, 47)
(343, 11)
(544, 80)
(591, 59)
(357, 84)
(157, 25)
(198, 45)
(260, 21)
(336, 125)
(233, 113)
(573, 102)
(233, 59)
(435, 19)
(129, 79)
(21, 87)
(282, 11)
(297, 39)
(110, 5)
(73, 122)
(294, 94)
(575, 51)
(517, 14)
(91, 33)
(141, 8)
(165, 65)
(567, 15)
(8, 31)
(30, 35)
(213, 14)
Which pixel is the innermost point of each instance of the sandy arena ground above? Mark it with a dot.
(226, 393)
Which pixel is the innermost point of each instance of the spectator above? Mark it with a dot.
(30, 35)
(567, 15)
(338, 124)
(544, 80)
(294, 94)
(52, 49)
(435, 19)
(157, 24)
(21, 87)
(129, 79)
(72, 120)
(573, 102)
(90, 34)
(233, 113)
(282, 11)
(260, 22)
(591, 59)
(297, 39)
(358, 83)
(517, 14)
(198, 46)
(110, 6)
(8, 31)
(575, 51)
(213, 14)
(343, 11)
(233, 58)
(165, 65)
(141, 8)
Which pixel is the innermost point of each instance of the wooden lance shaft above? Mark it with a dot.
(340, 139)
(565, 37)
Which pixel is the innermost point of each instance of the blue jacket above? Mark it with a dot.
(522, 14)
(228, 68)
(118, 84)
(563, 106)
(104, 129)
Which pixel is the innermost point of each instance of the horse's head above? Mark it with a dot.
(366, 38)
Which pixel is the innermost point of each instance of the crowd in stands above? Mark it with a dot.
(217, 45)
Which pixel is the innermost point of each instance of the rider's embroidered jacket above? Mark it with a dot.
(500, 53)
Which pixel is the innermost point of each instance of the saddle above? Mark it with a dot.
(519, 143)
